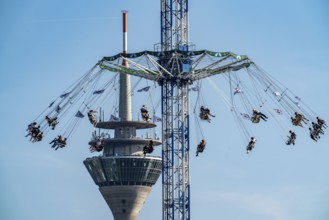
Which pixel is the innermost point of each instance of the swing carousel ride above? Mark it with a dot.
(171, 77)
(253, 96)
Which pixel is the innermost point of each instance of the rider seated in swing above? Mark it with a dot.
(148, 149)
(299, 118)
(32, 129)
(317, 128)
(200, 147)
(314, 136)
(61, 143)
(321, 122)
(38, 137)
(251, 144)
(56, 141)
(52, 122)
(97, 145)
(35, 132)
(292, 138)
(145, 113)
(205, 113)
(257, 115)
(295, 122)
(92, 117)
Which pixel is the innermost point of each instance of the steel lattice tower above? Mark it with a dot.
(175, 112)
(175, 65)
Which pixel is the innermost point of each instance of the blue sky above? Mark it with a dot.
(47, 45)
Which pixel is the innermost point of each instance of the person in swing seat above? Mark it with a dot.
(148, 149)
(300, 118)
(257, 114)
(317, 128)
(295, 122)
(200, 147)
(251, 144)
(292, 138)
(92, 117)
(35, 132)
(56, 141)
(31, 128)
(321, 122)
(38, 137)
(61, 143)
(52, 122)
(313, 135)
(145, 113)
(205, 113)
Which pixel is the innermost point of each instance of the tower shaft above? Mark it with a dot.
(124, 95)
(124, 174)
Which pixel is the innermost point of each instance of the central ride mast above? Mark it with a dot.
(175, 111)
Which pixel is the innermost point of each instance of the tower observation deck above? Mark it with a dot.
(124, 176)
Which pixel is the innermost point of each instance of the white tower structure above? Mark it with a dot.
(123, 174)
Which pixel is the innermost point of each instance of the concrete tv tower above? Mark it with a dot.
(123, 174)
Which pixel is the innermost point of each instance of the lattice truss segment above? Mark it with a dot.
(175, 151)
(174, 24)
